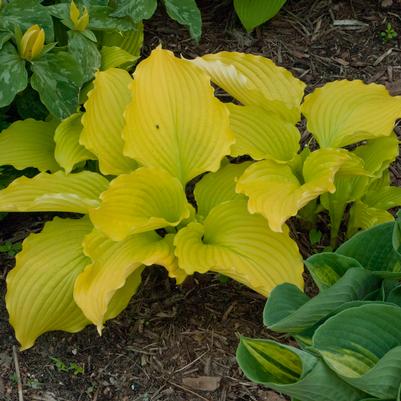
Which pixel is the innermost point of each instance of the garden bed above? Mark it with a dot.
(168, 333)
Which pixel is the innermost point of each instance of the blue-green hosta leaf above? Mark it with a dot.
(187, 13)
(289, 311)
(363, 346)
(292, 371)
(327, 267)
(373, 249)
(85, 52)
(137, 10)
(57, 77)
(253, 13)
(29, 143)
(13, 75)
(24, 14)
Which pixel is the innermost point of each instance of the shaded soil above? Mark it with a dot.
(169, 333)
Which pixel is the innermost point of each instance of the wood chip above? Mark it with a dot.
(202, 383)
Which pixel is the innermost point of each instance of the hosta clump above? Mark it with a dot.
(146, 138)
(349, 334)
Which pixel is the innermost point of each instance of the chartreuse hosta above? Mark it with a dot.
(150, 136)
(349, 334)
(286, 179)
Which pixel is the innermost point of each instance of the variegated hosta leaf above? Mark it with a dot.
(57, 192)
(262, 134)
(363, 346)
(345, 112)
(147, 199)
(68, 150)
(29, 143)
(113, 263)
(253, 13)
(255, 80)
(277, 193)
(239, 245)
(292, 371)
(40, 288)
(215, 188)
(103, 121)
(174, 121)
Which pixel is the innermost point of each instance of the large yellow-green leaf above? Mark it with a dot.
(253, 13)
(113, 263)
(174, 121)
(103, 121)
(239, 245)
(40, 288)
(215, 188)
(56, 192)
(130, 41)
(277, 193)
(29, 143)
(262, 134)
(68, 150)
(255, 80)
(345, 112)
(147, 199)
(115, 57)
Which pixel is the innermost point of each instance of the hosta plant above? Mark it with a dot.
(128, 161)
(349, 335)
(326, 174)
(56, 49)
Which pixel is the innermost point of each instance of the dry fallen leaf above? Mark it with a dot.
(387, 3)
(270, 396)
(202, 383)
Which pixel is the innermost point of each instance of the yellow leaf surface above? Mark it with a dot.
(103, 121)
(174, 121)
(147, 199)
(255, 80)
(345, 112)
(241, 246)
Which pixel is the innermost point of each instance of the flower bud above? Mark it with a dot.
(32, 43)
(80, 21)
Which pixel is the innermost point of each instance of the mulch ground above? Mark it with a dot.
(170, 334)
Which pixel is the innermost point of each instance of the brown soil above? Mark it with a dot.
(169, 333)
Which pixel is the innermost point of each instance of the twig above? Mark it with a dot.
(17, 372)
(188, 390)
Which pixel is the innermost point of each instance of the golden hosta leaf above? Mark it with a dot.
(277, 193)
(240, 245)
(103, 121)
(345, 112)
(68, 151)
(215, 188)
(147, 199)
(363, 217)
(29, 143)
(56, 192)
(113, 263)
(262, 134)
(255, 80)
(115, 57)
(40, 288)
(174, 121)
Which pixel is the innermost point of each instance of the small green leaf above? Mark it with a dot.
(85, 52)
(187, 13)
(57, 77)
(4, 37)
(253, 13)
(315, 236)
(137, 10)
(13, 75)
